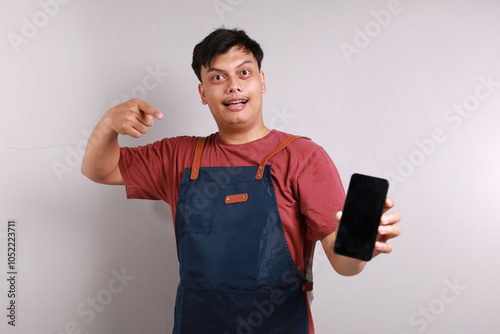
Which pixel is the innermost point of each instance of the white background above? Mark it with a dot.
(377, 83)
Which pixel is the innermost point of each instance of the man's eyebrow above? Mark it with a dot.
(244, 63)
(214, 69)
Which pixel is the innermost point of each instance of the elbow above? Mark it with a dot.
(110, 177)
(86, 170)
(89, 172)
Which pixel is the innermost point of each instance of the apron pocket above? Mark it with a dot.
(195, 212)
(277, 311)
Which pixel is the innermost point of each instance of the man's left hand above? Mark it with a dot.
(387, 229)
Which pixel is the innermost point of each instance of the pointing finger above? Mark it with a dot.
(148, 109)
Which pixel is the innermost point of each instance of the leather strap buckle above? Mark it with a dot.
(307, 287)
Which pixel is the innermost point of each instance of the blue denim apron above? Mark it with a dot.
(236, 273)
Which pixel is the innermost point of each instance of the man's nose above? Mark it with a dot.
(234, 86)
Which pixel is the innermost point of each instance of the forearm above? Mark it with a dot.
(346, 266)
(102, 154)
(343, 265)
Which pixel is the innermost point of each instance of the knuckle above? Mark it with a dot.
(129, 117)
(130, 105)
(127, 104)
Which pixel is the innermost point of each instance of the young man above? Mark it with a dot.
(248, 202)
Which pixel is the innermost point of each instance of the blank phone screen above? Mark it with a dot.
(363, 208)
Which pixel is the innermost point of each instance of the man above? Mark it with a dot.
(249, 202)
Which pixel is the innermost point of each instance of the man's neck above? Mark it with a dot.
(242, 137)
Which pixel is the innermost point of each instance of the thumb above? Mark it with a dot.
(338, 216)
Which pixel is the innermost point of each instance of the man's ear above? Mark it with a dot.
(201, 90)
(263, 81)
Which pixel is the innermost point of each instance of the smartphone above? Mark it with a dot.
(363, 208)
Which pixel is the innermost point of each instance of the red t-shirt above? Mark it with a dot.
(307, 185)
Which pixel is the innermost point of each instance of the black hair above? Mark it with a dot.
(219, 42)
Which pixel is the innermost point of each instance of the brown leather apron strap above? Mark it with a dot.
(195, 168)
(200, 144)
(282, 145)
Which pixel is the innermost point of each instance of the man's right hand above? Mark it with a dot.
(102, 155)
(132, 117)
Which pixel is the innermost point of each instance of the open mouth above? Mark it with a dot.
(227, 104)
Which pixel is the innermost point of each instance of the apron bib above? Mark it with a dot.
(236, 272)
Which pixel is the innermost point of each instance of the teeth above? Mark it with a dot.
(236, 102)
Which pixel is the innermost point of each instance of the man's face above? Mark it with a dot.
(232, 86)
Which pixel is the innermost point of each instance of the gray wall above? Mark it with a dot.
(404, 89)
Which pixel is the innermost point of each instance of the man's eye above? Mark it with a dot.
(245, 72)
(218, 77)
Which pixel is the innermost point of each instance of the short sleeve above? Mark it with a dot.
(153, 171)
(143, 171)
(321, 194)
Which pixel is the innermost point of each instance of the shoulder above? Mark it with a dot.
(300, 156)
(302, 146)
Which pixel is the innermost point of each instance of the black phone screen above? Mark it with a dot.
(363, 208)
